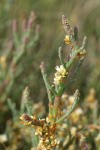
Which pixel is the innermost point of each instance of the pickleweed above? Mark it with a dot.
(51, 129)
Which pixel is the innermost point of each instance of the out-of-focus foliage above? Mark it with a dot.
(16, 59)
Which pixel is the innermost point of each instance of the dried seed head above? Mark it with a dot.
(25, 95)
(25, 117)
(66, 24)
(31, 20)
(76, 94)
(76, 34)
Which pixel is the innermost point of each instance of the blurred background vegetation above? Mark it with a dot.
(19, 62)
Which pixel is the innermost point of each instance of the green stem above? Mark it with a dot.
(56, 108)
(13, 109)
(95, 112)
(16, 39)
(60, 56)
(48, 87)
(84, 43)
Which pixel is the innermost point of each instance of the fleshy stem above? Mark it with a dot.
(60, 56)
(56, 108)
(50, 90)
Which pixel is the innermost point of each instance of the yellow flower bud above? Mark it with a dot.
(73, 131)
(67, 39)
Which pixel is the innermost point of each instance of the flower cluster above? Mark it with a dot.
(47, 136)
(43, 129)
(60, 74)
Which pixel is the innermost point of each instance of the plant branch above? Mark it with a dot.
(48, 87)
(60, 56)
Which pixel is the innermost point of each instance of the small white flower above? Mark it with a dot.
(73, 131)
(79, 111)
(3, 138)
(60, 74)
(41, 141)
(57, 79)
(61, 70)
(71, 100)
